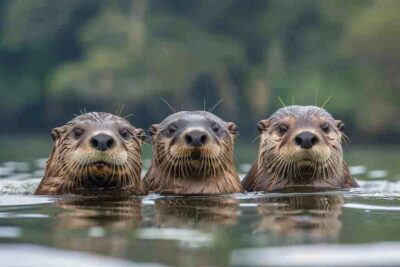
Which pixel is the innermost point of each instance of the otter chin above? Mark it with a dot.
(94, 153)
(300, 146)
(193, 154)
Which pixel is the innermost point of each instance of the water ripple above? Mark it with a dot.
(375, 254)
(29, 255)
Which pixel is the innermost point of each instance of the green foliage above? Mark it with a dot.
(123, 58)
(31, 23)
(373, 37)
(248, 53)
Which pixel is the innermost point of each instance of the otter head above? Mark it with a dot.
(96, 150)
(301, 143)
(193, 144)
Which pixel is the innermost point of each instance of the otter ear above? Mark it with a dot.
(339, 125)
(140, 134)
(153, 129)
(232, 128)
(56, 133)
(262, 125)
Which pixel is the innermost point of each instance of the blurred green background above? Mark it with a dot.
(60, 57)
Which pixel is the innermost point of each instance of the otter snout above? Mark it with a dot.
(306, 140)
(196, 138)
(102, 142)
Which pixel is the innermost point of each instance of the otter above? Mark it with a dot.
(193, 154)
(300, 146)
(94, 153)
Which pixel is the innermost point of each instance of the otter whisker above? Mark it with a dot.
(216, 105)
(80, 171)
(169, 105)
(326, 101)
(119, 113)
(281, 101)
(170, 168)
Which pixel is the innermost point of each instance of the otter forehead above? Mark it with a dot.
(301, 113)
(98, 119)
(193, 118)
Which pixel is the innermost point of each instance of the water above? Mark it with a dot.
(359, 227)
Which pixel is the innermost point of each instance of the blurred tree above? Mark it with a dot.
(33, 23)
(35, 37)
(373, 38)
(130, 54)
(57, 56)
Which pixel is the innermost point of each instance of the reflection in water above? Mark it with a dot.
(186, 231)
(201, 231)
(33, 255)
(315, 217)
(328, 255)
(97, 225)
(196, 212)
(110, 213)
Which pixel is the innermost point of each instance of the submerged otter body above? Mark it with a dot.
(300, 147)
(95, 153)
(193, 154)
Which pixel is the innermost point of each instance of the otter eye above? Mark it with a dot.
(215, 127)
(124, 133)
(325, 127)
(172, 129)
(282, 129)
(78, 132)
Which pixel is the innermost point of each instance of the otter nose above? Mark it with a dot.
(102, 142)
(306, 140)
(196, 138)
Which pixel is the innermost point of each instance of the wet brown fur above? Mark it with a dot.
(63, 175)
(172, 174)
(274, 170)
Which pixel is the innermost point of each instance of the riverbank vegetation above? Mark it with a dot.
(58, 57)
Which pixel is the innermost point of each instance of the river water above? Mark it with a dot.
(359, 227)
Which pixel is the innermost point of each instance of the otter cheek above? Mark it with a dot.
(80, 156)
(321, 152)
(215, 150)
(264, 136)
(288, 152)
(173, 150)
(122, 157)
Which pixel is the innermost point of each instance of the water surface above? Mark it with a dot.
(359, 227)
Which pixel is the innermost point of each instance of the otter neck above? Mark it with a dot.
(289, 174)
